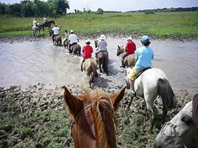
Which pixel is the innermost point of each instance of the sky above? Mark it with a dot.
(122, 5)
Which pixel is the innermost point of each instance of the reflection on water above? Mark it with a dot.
(26, 63)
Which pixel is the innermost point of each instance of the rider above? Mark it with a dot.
(130, 49)
(102, 45)
(73, 39)
(34, 22)
(56, 32)
(66, 36)
(45, 19)
(144, 56)
(87, 51)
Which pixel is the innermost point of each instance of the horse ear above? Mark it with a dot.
(71, 102)
(116, 98)
(118, 47)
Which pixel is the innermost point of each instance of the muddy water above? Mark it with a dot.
(30, 62)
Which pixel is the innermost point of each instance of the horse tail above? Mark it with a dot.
(166, 93)
(104, 63)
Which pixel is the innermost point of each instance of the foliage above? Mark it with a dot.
(99, 11)
(29, 8)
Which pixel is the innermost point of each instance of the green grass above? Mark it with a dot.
(182, 24)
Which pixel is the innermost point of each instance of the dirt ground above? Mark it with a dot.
(37, 117)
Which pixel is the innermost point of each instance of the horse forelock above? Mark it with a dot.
(195, 109)
(102, 112)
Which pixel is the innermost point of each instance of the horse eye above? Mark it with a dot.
(188, 120)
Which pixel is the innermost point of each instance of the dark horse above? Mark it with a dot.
(47, 24)
(102, 59)
(92, 118)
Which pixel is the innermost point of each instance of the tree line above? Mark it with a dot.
(168, 10)
(35, 8)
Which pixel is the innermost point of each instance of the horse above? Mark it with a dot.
(36, 29)
(90, 67)
(75, 49)
(102, 60)
(129, 61)
(96, 44)
(66, 44)
(48, 24)
(182, 130)
(92, 118)
(57, 40)
(150, 84)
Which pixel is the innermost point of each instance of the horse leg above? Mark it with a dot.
(100, 67)
(131, 100)
(149, 98)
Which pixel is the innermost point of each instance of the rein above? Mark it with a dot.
(76, 117)
(173, 131)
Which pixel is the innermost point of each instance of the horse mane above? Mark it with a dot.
(195, 109)
(103, 117)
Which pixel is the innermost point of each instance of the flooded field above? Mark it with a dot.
(32, 62)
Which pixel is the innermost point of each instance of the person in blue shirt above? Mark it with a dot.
(144, 56)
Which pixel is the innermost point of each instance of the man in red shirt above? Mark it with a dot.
(87, 51)
(130, 49)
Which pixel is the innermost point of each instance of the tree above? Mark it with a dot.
(27, 9)
(3, 8)
(100, 11)
(15, 9)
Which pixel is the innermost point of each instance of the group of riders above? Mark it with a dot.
(143, 55)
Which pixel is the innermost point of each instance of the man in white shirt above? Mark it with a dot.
(56, 32)
(34, 22)
(73, 39)
(45, 19)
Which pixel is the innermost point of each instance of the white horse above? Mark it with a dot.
(149, 85)
(36, 29)
(182, 130)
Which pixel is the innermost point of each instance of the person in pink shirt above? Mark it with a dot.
(87, 51)
(130, 49)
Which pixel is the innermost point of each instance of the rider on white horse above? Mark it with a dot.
(143, 55)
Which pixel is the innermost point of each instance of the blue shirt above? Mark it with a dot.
(144, 56)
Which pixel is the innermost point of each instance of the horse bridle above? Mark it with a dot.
(173, 127)
(76, 117)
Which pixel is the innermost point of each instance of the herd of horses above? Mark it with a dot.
(36, 29)
(92, 115)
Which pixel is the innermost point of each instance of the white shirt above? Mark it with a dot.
(34, 22)
(102, 44)
(73, 38)
(45, 19)
(56, 29)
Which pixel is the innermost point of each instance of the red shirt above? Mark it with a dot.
(87, 50)
(131, 47)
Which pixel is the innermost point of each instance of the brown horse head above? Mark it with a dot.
(120, 50)
(96, 43)
(92, 118)
(90, 67)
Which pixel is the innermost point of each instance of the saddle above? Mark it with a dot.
(141, 71)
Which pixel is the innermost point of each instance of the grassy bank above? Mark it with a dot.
(160, 25)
